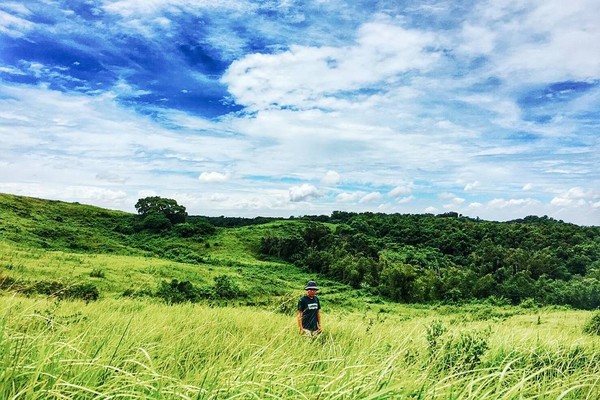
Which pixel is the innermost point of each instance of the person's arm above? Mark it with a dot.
(319, 327)
(299, 316)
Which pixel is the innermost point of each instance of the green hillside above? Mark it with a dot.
(43, 242)
(205, 309)
(88, 252)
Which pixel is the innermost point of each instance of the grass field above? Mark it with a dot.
(147, 350)
(124, 347)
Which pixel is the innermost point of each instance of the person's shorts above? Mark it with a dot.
(309, 333)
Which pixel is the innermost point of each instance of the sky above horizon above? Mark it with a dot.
(300, 107)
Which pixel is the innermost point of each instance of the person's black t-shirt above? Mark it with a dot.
(310, 308)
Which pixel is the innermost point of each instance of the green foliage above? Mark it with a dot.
(433, 334)
(286, 304)
(450, 258)
(284, 247)
(592, 326)
(169, 208)
(156, 222)
(462, 352)
(175, 292)
(406, 258)
(97, 273)
(196, 228)
(226, 288)
(58, 289)
(140, 348)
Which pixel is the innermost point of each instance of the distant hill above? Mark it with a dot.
(412, 258)
(46, 244)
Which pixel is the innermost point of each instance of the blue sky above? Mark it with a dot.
(276, 108)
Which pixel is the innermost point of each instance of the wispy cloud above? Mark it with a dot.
(275, 108)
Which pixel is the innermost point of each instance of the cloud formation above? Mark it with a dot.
(489, 109)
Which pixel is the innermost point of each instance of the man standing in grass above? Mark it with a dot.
(309, 311)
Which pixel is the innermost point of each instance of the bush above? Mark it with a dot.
(175, 292)
(82, 291)
(226, 288)
(592, 326)
(433, 335)
(97, 273)
(196, 227)
(156, 223)
(184, 255)
(462, 352)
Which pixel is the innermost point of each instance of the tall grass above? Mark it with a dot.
(141, 349)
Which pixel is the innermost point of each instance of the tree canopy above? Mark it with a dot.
(155, 205)
(423, 258)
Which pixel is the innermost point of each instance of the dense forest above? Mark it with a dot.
(448, 257)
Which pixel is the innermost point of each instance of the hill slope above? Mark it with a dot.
(51, 241)
(405, 258)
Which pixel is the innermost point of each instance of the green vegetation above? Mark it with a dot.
(427, 258)
(102, 304)
(140, 349)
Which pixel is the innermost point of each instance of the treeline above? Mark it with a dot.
(427, 258)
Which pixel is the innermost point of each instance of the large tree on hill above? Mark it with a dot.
(155, 205)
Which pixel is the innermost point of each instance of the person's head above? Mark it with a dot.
(311, 288)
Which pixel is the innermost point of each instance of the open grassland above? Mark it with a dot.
(147, 350)
(130, 344)
(114, 274)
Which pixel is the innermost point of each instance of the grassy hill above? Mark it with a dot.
(130, 344)
(46, 241)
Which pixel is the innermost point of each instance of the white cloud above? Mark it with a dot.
(143, 8)
(303, 192)
(362, 96)
(14, 26)
(302, 75)
(575, 196)
(218, 197)
(405, 200)
(346, 197)
(400, 190)
(371, 197)
(528, 37)
(330, 178)
(446, 196)
(212, 177)
(503, 203)
(476, 39)
(472, 185)
(455, 202)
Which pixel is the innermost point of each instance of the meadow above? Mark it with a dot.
(131, 344)
(131, 349)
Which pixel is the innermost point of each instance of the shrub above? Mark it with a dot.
(82, 291)
(226, 288)
(464, 352)
(433, 334)
(97, 273)
(592, 326)
(529, 303)
(156, 223)
(184, 255)
(286, 304)
(197, 227)
(176, 292)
